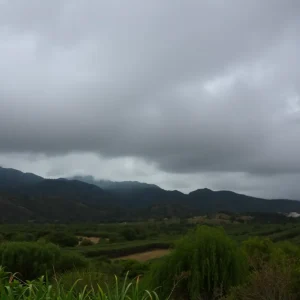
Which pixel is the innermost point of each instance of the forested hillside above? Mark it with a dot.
(25, 196)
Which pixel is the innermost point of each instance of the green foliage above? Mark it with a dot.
(275, 271)
(286, 235)
(62, 239)
(275, 279)
(135, 233)
(204, 262)
(31, 260)
(108, 233)
(291, 250)
(69, 260)
(196, 261)
(13, 289)
(86, 242)
(28, 259)
(262, 250)
(85, 277)
(134, 267)
(23, 237)
(129, 234)
(258, 250)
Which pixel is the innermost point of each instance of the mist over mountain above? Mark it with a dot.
(26, 196)
(115, 185)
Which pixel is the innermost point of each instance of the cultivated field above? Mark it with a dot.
(94, 253)
(147, 255)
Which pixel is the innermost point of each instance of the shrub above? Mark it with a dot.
(204, 263)
(262, 250)
(70, 260)
(289, 249)
(258, 251)
(28, 259)
(129, 234)
(86, 242)
(275, 271)
(134, 267)
(23, 237)
(62, 239)
(31, 259)
(274, 280)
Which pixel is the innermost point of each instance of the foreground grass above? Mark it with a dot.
(11, 288)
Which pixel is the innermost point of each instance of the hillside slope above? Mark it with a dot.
(25, 196)
(115, 185)
(15, 178)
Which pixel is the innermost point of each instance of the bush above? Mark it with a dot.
(86, 242)
(129, 234)
(258, 251)
(275, 271)
(274, 280)
(262, 250)
(70, 260)
(31, 259)
(62, 239)
(23, 237)
(204, 263)
(289, 249)
(134, 268)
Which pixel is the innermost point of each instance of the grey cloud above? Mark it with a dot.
(266, 185)
(189, 87)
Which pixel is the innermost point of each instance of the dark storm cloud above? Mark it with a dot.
(191, 86)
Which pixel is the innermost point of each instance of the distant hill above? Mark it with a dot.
(134, 194)
(115, 185)
(230, 201)
(15, 178)
(26, 196)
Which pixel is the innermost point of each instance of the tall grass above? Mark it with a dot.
(11, 288)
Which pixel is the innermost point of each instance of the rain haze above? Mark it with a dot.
(183, 94)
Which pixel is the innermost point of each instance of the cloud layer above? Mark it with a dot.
(195, 92)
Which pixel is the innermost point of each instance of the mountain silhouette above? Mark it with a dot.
(26, 196)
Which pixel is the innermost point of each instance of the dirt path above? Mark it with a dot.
(144, 256)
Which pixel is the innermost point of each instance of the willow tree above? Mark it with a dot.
(204, 263)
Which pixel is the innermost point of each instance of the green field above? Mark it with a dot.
(95, 253)
(114, 240)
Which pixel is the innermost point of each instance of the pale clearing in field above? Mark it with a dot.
(93, 239)
(144, 256)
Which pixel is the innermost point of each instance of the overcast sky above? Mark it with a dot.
(183, 94)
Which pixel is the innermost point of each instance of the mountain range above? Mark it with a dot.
(28, 197)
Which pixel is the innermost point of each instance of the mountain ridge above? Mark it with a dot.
(26, 196)
(109, 184)
(9, 176)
